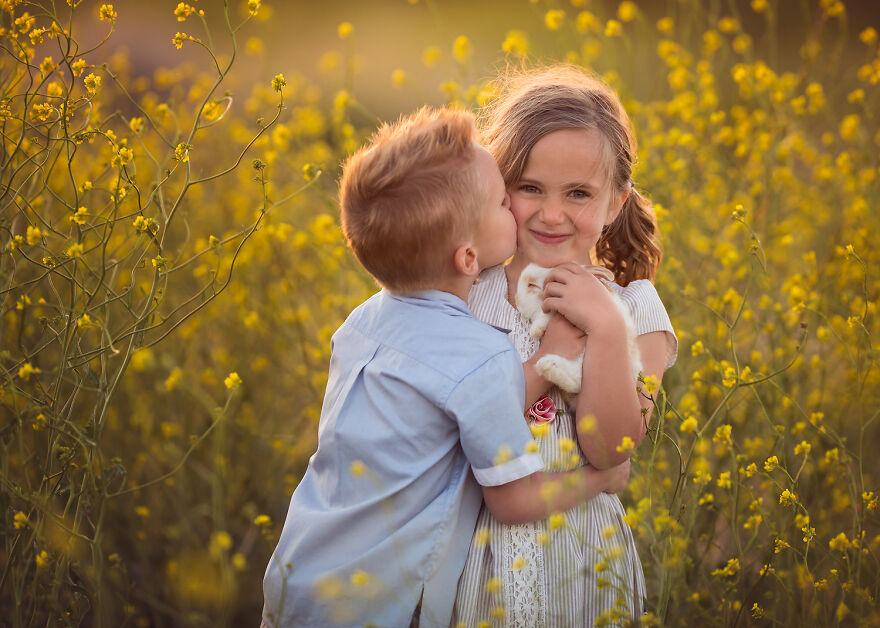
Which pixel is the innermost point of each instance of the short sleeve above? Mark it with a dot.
(487, 406)
(649, 314)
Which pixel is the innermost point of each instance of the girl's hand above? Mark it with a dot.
(617, 477)
(562, 338)
(580, 297)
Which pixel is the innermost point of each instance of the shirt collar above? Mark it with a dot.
(435, 299)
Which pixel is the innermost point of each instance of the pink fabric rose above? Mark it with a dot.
(543, 410)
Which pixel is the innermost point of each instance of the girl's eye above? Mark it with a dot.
(528, 189)
(579, 194)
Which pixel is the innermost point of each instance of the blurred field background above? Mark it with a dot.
(172, 271)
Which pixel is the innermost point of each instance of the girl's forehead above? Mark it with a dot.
(582, 155)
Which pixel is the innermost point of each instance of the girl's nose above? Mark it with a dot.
(551, 212)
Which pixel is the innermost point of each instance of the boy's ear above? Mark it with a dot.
(465, 260)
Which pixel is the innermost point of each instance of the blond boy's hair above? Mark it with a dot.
(411, 196)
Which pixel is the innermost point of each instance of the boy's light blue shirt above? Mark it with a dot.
(420, 393)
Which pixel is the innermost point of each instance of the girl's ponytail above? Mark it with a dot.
(629, 246)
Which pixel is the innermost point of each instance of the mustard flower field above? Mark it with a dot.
(172, 269)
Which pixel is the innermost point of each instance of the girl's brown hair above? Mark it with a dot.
(534, 103)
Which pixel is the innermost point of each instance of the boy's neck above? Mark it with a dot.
(460, 286)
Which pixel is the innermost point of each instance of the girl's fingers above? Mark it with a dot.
(554, 289)
(551, 304)
(560, 273)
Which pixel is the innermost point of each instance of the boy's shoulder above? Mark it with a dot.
(436, 329)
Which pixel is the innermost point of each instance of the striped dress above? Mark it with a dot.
(560, 573)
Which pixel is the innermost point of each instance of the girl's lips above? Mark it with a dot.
(550, 238)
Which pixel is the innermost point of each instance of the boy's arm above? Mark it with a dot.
(540, 494)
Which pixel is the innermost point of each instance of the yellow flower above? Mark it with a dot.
(493, 585)
(357, 468)
(42, 559)
(722, 434)
(183, 11)
(553, 19)
(729, 379)
(689, 425)
(849, 126)
(84, 321)
(856, 96)
(360, 578)
(613, 28)
(727, 25)
(278, 82)
(33, 235)
(262, 520)
(567, 445)
(758, 6)
(556, 520)
(626, 444)
(181, 152)
(585, 21)
(868, 36)
(723, 480)
(531, 447)
(839, 543)
(39, 423)
(650, 384)
(461, 49)
(431, 55)
(665, 25)
(221, 540)
(106, 13)
(482, 536)
(587, 424)
(787, 498)
(730, 569)
(20, 520)
(136, 125)
(626, 11)
(178, 39)
(697, 348)
(771, 463)
(253, 6)
(123, 157)
(36, 36)
(518, 563)
(516, 43)
(398, 77)
(232, 381)
(142, 511)
(505, 454)
(802, 448)
(75, 250)
(92, 83)
(78, 66)
(344, 30)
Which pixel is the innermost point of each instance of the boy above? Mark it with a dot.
(420, 393)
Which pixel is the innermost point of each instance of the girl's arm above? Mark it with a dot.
(541, 494)
(611, 397)
(653, 348)
(560, 338)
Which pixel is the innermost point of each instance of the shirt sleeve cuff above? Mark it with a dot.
(510, 470)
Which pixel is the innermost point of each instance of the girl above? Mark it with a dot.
(565, 148)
